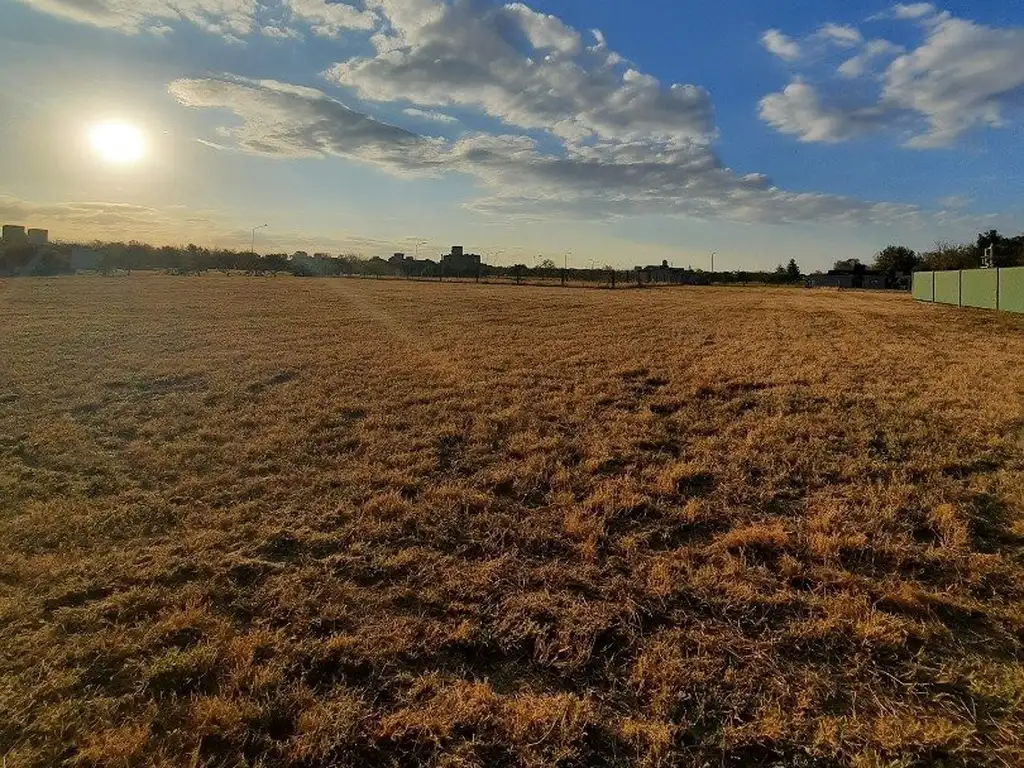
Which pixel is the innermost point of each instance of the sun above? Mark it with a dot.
(117, 142)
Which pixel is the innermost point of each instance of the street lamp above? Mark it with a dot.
(252, 247)
(417, 242)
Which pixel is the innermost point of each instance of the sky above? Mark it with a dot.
(605, 131)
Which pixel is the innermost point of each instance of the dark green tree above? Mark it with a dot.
(951, 256)
(793, 271)
(896, 258)
(1007, 251)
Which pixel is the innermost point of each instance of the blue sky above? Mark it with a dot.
(622, 132)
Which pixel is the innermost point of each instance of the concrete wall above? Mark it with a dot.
(947, 288)
(1001, 289)
(923, 288)
(979, 288)
(1011, 289)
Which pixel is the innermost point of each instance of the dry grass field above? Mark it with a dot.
(279, 522)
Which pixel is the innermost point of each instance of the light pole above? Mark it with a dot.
(252, 247)
(417, 242)
(713, 262)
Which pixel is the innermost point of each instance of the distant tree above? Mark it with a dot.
(547, 264)
(896, 258)
(848, 265)
(1007, 251)
(109, 261)
(780, 270)
(194, 259)
(17, 259)
(792, 271)
(945, 256)
(275, 262)
(48, 262)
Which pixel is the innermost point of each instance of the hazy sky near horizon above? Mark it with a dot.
(624, 132)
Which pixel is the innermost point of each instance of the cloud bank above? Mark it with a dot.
(961, 77)
(569, 126)
(512, 171)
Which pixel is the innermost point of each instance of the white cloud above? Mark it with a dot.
(955, 202)
(222, 17)
(912, 10)
(280, 33)
(872, 51)
(331, 19)
(514, 176)
(424, 114)
(842, 35)
(962, 76)
(232, 19)
(286, 120)
(545, 32)
(798, 111)
(471, 55)
(605, 137)
(778, 44)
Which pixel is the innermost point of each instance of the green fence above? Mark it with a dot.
(985, 288)
(923, 288)
(1011, 289)
(979, 288)
(947, 288)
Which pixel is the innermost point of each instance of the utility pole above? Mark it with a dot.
(252, 247)
(712, 262)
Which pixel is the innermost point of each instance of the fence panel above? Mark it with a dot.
(923, 288)
(979, 288)
(947, 288)
(1011, 289)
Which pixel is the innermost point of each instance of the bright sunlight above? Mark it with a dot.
(117, 142)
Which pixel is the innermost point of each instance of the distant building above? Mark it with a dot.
(13, 234)
(85, 260)
(410, 267)
(38, 236)
(854, 276)
(666, 275)
(458, 262)
(875, 281)
(832, 280)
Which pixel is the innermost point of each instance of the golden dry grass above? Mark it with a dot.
(276, 522)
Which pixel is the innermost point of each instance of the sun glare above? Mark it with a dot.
(117, 143)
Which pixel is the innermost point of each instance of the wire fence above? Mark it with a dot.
(608, 279)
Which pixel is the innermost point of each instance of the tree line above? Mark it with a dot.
(110, 257)
(1006, 251)
(52, 259)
